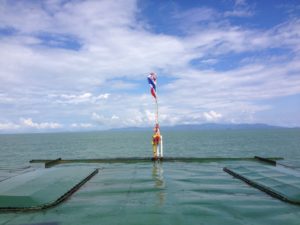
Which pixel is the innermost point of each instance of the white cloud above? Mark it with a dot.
(240, 2)
(121, 85)
(212, 116)
(44, 125)
(9, 126)
(82, 125)
(238, 13)
(114, 117)
(5, 99)
(196, 15)
(78, 98)
(102, 96)
(128, 118)
(106, 121)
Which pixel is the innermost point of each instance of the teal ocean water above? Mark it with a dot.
(158, 193)
(20, 148)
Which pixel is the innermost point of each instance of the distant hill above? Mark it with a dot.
(215, 126)
(206, 126)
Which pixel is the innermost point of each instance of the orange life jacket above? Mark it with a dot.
(156, 139)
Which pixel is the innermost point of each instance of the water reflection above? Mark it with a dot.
(159, 183)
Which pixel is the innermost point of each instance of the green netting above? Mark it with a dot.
(176, 193)
(40, 188)
(50, 163)
(279, 182)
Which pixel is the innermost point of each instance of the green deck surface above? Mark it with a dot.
(40, 187)
(279, 182)
(176, 193)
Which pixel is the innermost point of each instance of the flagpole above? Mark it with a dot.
(156, 138)
(156, 101)
(156, 117)
(159, 147)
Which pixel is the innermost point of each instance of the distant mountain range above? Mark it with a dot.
(208, 126)
(215, 126)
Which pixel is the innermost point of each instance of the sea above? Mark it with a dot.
(19, 149)
(177, 193)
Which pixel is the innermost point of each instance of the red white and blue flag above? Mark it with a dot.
(152, 82)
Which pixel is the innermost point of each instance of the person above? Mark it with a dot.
(155, 141)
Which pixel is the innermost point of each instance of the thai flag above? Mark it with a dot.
(152, 82)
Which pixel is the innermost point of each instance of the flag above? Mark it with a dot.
(152, 82)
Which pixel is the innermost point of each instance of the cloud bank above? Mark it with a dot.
(83, 64)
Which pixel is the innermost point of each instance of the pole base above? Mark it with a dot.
(157, 159)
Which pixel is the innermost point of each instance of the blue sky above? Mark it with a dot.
(82, 65)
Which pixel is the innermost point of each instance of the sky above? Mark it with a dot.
(71, 65)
